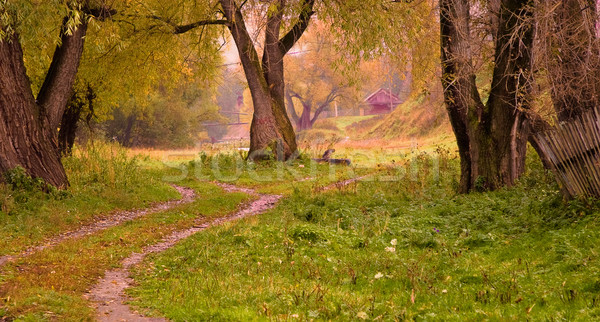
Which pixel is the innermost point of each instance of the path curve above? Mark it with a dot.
(108, 294)
(187, 195)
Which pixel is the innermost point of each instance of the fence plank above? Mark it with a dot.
(573, 149)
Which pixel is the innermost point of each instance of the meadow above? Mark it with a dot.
(398, 244)
(393, 249)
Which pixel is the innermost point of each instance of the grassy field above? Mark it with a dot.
(394, 250)
(103, 179)
(398, 245)
(50, 284)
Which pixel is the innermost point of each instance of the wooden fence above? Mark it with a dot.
(572, 148)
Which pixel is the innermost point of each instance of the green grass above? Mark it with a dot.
(513, 254)
(343, 122)
(400, 246)
(269, 176)
(49, 285)
(102, 179)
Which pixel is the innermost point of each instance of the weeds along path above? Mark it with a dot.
(187, 195)
(108, 294)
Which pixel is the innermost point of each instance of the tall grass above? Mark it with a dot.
(101, 164)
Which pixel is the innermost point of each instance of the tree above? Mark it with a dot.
(81, 100)
(166, 119)
(270, 126)
(129, 63)
(284, 23)
(304, 121)
(312, 80)
(28, 124)
(569, 53)
(491, 137)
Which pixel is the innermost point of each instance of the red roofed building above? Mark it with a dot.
(382, 101)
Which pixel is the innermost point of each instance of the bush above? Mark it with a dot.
(18, 179)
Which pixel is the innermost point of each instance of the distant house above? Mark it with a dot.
(382, 101)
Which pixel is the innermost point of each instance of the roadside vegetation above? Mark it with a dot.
(50, 284)
(384, 160)
(103, 179)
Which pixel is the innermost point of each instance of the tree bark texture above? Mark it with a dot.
(26, 139)
(574, 58)
(28, 128)
(270, 127)
(491, 138)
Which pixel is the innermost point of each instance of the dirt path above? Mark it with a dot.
(109, 294)
(341, 184)
(187, 196)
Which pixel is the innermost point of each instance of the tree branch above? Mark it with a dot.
(101, 13)
(330, 98)
(538, 125)
(180, 29)
(290, 106)
(57, 87)
(289, 40)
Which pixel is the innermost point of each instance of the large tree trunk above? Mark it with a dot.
(26, 139)
(573, 57)
(28, 128)
(491, 138)
(503, 130)
(264, 130)
(57, 88)
(68, 126)
(270, 127)
(458, 80)
(304, 122)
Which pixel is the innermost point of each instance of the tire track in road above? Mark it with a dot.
(109, 293)
(187, 195)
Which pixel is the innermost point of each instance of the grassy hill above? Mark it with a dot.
(420, 123)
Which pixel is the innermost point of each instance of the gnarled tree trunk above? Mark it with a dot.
(270, 127)
(305, 121)
(491, 138)
(25, 135)
(28, 128)
(573, 57)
